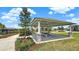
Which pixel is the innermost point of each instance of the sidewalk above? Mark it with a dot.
(8, 44)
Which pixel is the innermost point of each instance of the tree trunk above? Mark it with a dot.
(25, 33)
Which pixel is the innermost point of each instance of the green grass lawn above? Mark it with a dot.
(60, 33)
(61, 45)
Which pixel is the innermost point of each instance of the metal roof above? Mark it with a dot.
(49, 22)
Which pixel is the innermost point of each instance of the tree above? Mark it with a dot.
(76, 28)
(2, 26)
(60, 28)
(25, 20)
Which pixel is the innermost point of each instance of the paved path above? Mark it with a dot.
(8, 44)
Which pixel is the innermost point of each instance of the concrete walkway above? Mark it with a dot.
(8, 44)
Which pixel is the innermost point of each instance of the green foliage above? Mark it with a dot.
(23, 44)
(15, 31)
(60, 28)
(2, 26)
(76, 28)
(22, 32)
(24, 19)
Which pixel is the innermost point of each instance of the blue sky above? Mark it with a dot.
(10, 15)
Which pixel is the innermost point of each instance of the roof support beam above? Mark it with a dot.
(70, 31)
(39, 28)
(39, 31)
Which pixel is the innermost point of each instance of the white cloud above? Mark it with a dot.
(31, 11)
(61, 10)
(5, 17)
(9, 21)
(74, 20)
(13, 26)
(15, 11)
(12, 14)
(70, 15)
(11, 17)
(50, 13)
(14, 19)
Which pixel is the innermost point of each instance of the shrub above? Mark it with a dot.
(27, 33)
(23, 44)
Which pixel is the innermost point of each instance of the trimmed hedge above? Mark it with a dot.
(23, 44)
